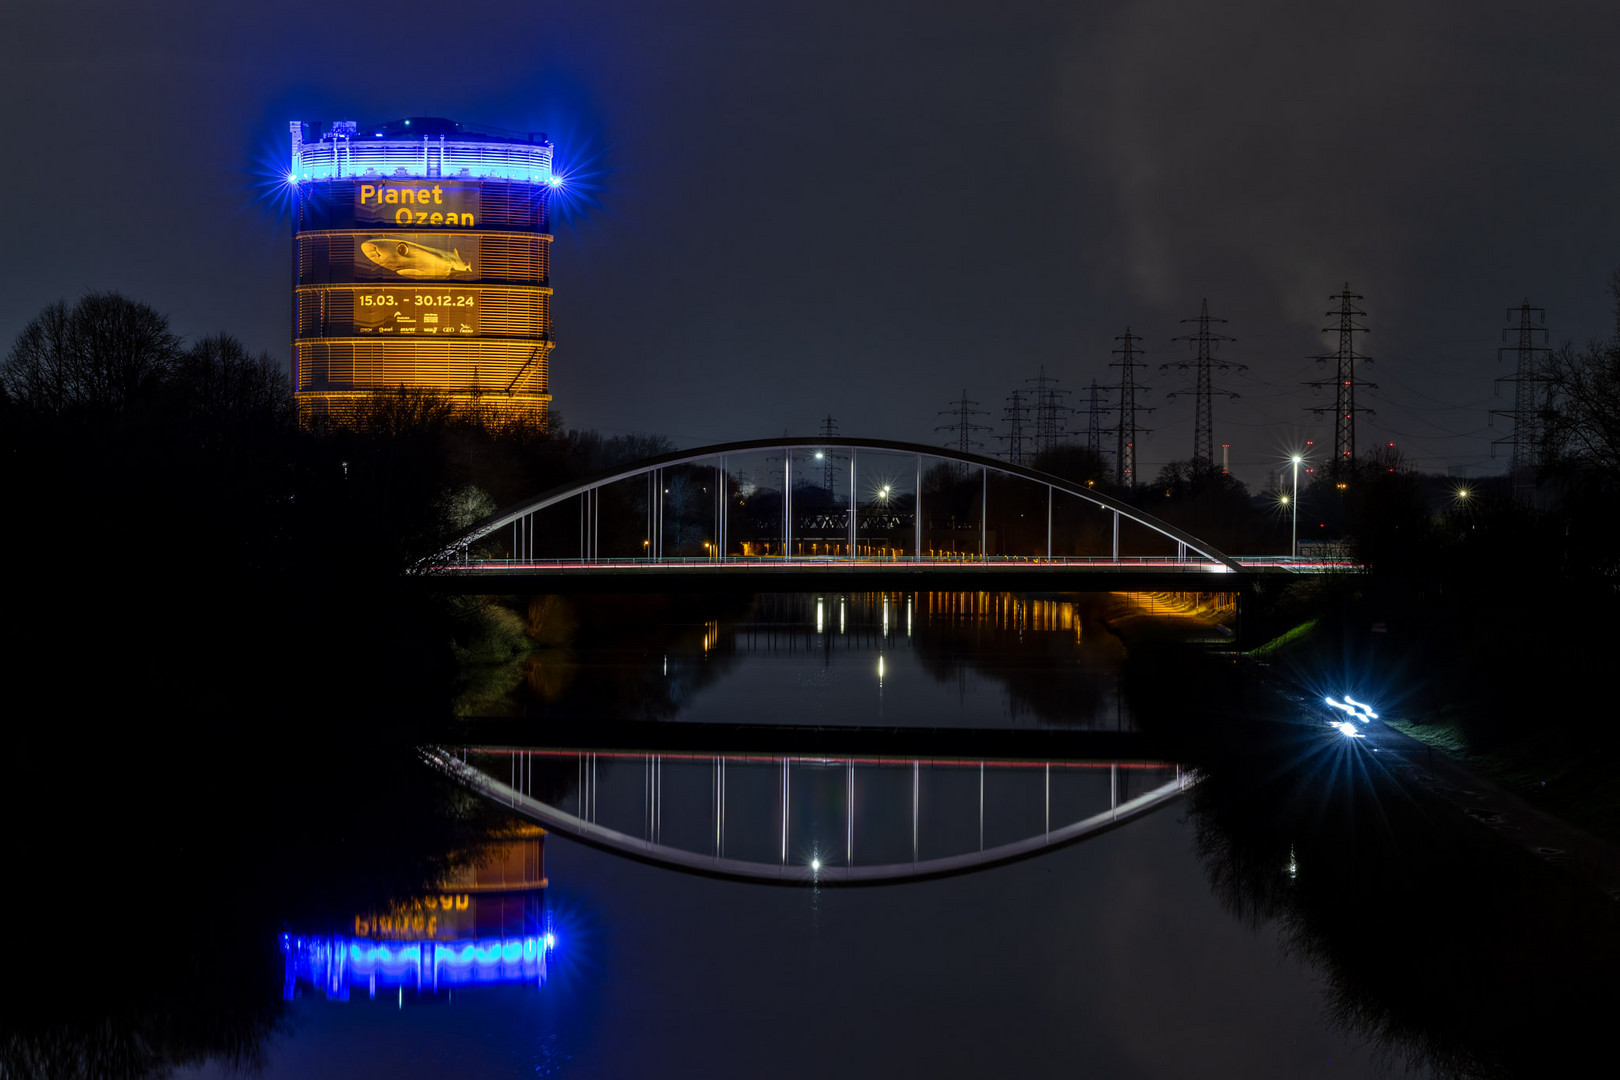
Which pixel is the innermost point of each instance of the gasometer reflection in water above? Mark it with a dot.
(486, 924)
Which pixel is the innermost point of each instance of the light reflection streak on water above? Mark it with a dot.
(337, 963)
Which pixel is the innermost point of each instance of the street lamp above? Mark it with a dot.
(1293, 504)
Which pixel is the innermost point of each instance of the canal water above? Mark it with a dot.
(891, 659)
(1106, 956)
(700, 910)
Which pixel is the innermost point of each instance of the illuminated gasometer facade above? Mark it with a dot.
(422, 260)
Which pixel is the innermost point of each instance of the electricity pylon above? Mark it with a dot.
(1528, 378)
(1126, 430)
(1204, 365)
(1345, 383)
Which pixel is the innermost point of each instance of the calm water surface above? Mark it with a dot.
(283, 893)
(901, 659)
(1108, 957)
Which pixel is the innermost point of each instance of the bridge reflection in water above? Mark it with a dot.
(813, 820)
(486, 924)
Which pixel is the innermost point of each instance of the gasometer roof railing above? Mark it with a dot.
(520, 514)
(793, 867)
(416, 147)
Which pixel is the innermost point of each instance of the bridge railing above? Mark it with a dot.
(838, 562)
(1300, 562)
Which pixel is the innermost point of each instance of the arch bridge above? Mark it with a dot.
(805, 511)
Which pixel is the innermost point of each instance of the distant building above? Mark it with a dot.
(421, 259)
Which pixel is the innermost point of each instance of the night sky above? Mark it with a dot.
(783, 210)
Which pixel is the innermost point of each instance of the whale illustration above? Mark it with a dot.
(413, 260)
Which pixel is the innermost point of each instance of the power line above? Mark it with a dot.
(1204, 365)
(1094, 428)
(1345, 383)
(964, 426)
(1528, 378)
(829, 430)
(1051, 415)
(1016, 414)
(1126, 430)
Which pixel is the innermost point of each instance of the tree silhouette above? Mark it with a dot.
(93, 359)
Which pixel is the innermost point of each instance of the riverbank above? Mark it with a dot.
(1454, 782)
(1450, 950)
(1543, 768)
(1539, 784)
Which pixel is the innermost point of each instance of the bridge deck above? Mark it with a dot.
(902, 574)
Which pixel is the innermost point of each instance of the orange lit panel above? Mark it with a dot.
(384, 299)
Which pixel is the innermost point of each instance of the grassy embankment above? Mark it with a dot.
(1552, 768)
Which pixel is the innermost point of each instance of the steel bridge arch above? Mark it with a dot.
(586, 488)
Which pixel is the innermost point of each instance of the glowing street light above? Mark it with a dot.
(1293, 503)
(1463, 502)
